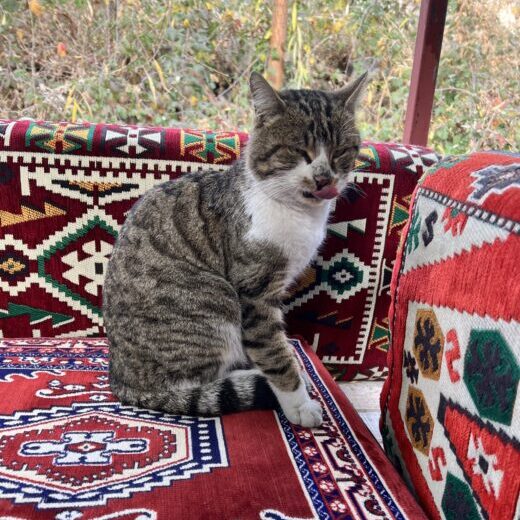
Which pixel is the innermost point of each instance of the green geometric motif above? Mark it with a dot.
(62, 244)
(412, 241)
(367, 157)
(399, 215)
(343, 277)
(222, 145)
(35, 315)
(491, 374)
(60, 137)
(457, 501)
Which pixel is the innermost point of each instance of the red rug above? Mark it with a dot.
(70, 451)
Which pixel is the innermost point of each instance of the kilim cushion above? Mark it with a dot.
(340, 304)
(65, 190)
(70, 451)
(451, 409)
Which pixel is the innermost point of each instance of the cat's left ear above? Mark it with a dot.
(352, 93)
(266, 100)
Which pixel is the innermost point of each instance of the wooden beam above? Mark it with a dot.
(424, 72)
(275, 70)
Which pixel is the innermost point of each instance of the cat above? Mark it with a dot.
(194, 287)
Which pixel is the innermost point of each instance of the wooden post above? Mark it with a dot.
(424, 72)
(275, 72)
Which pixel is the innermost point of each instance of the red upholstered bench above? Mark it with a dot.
(69, 450)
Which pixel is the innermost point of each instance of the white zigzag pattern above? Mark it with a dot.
(444, 245)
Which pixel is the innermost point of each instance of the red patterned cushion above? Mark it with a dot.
(70, 451)
(451, 409)
(341, 303)
(65, 190)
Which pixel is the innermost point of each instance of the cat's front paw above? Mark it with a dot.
(309, 414)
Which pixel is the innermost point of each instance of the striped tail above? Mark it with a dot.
(240, 390)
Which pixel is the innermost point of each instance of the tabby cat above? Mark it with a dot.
(193, 291)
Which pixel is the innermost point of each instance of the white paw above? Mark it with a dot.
(306, 380)
(309, 414)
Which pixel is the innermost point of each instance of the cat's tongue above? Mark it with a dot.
(328, 192)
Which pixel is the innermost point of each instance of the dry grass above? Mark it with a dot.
(166, 62)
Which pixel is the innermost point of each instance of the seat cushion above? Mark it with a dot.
(450, 406)
(69, 449)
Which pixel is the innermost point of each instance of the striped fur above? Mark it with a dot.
(193, 289)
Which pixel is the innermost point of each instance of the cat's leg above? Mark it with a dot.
(267, 346)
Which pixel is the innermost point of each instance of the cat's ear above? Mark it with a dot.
(352, 93)
(266, 100)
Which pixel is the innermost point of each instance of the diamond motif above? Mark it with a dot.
(83, 251)
(79, 456)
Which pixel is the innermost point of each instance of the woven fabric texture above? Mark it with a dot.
(65, 190)
(70, 451)
(450, 406)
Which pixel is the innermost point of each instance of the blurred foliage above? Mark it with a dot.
(186, 62)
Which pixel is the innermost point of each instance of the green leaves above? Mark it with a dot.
(187, 61)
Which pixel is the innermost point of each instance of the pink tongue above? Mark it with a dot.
(329, 192)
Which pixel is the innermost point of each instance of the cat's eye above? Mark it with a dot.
(338, 154)
(304, 154)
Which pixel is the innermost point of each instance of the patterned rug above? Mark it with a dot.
(70, 451)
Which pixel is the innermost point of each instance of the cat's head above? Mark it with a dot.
(304, 142)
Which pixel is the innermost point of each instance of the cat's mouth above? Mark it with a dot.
(328, 192)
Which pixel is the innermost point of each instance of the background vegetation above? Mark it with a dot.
(186, 62)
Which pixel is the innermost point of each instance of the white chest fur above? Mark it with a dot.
(298, 232)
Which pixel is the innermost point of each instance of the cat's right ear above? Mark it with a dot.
(266, 100)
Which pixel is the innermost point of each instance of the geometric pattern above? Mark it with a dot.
(91, 437)
(451, 405)
(70, 450)
(488, 458)
(60, 137)
(65, 191)
(491, 374)
(340, 277)
(132, 140)
(346, 327)
(494, 179)
(214, 147)
(428, 344)
(419, 421)
(412, 159)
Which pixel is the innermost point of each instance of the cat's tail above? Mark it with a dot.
(239, 390)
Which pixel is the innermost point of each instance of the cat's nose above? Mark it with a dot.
(322, 181)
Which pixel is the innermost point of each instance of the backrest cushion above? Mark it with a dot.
(65, 190)
(450, 406)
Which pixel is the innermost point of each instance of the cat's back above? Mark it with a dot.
(176, 230)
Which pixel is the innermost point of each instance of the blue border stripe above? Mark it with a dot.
(346, 431)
